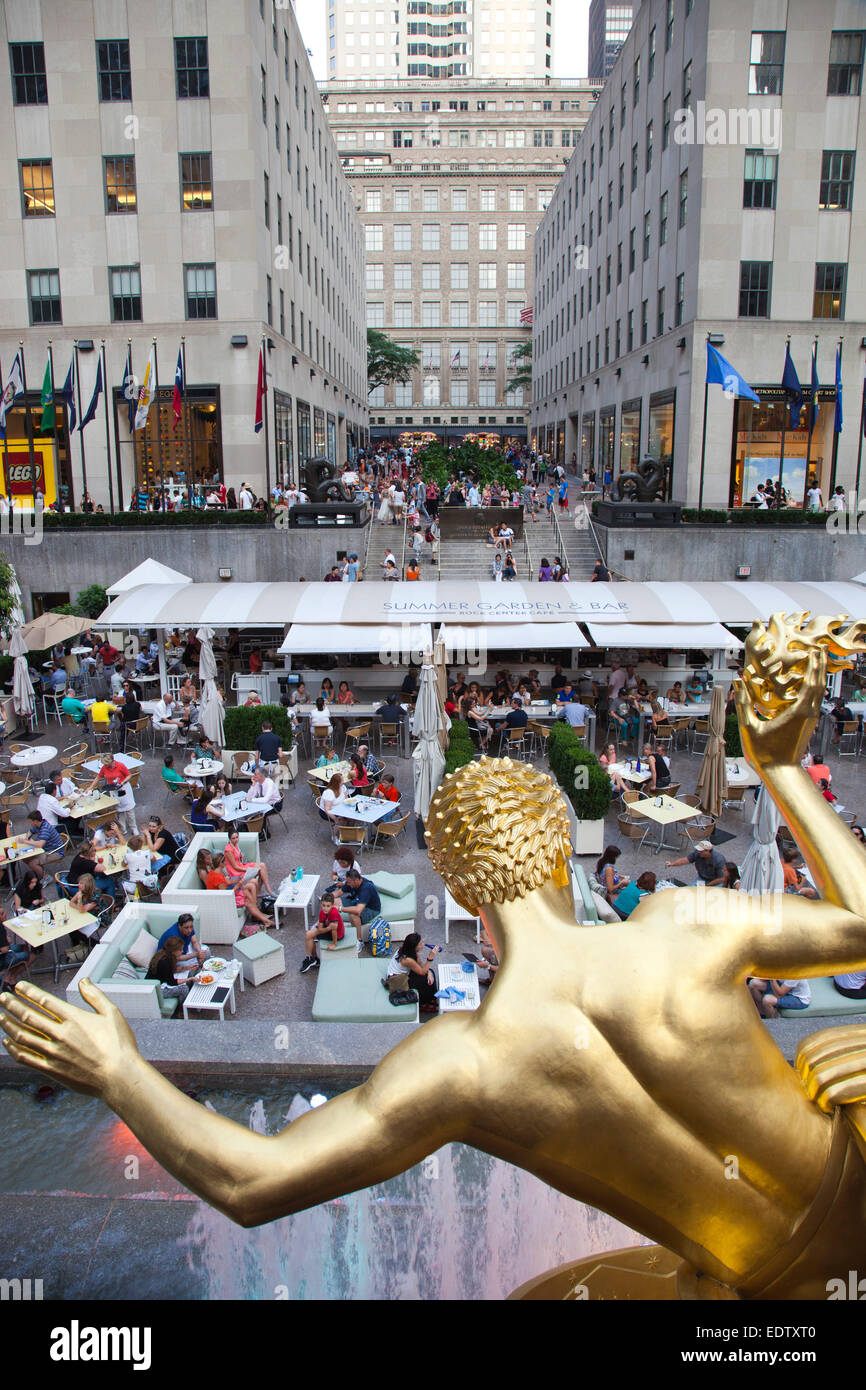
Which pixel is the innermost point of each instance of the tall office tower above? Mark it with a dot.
(176, 180)
(609, 23)
(450, 182)
(439, 38)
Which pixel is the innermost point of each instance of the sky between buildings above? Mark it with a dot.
(570, 20)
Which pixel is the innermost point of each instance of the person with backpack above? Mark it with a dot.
(360, 901)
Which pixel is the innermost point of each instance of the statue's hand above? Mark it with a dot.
(782, 737)
(86, 1052)
(832, 1066)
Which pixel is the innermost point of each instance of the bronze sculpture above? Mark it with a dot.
(645, 484)
(320, 482)
(624, 1065)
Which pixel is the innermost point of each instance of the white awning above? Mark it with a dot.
(510, 637)
(388, 638)
(677, 636)
(148, 572)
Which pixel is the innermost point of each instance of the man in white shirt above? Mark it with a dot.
(758, 498)
(617, 681)
(265, 789)
(245, 497)
(163, 718)
(814, 499)
(48, 805)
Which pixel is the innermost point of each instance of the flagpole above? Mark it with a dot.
(6, 448)
(107, 431)
(785, 410)
(860, 445)
(55, 449)
(158, 426)
(265, 419)
(80, 430)
(703, 440)
(28, 426)
(186, 427)
(831, 485)
(813, 406)
(117, 439)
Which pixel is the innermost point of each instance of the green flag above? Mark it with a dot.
(47, 424)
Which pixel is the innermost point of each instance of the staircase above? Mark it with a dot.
(580, 549)
(469, 560)
(383, 538)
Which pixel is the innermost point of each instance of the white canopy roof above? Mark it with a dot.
(680, 636)
(148, 572)
(301, 639)
(276, 604)
(510, 636)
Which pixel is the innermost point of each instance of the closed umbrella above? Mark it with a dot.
(761, 870)
(712, 784)
(440, 667)
(211, 710)
(22, 687)
(428, 759)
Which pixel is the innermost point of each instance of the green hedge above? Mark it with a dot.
(733, 746)
(66, 521)
(705, 515)
(566, 753)
(243, 725)
(461, 749)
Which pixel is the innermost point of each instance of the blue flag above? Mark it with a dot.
(837, 423)
(94, 399)
(813, 391)
(129, 388)
(721, 373)
(791, 384)
(68, 394)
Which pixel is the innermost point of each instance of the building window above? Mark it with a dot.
(431, 313)
(283, 313)
(516, 200)
(513, 310)
(487, 356)
(544, 196)
(755, 280)
(376, 313)
(649, 147)
(844, 74)
(403, 313)
(644, 308)
(488, 313)
(636, 82)
(402, 276)
(629, 344)
(660, 313)
(429, 236)
(487, 236)
(430, 199)
(43, 292)
(837, 179)
(633, 167)
(267, 201)
(430, 276)
(112, 66)
(487, 199)
(666, 121)
(403, 393)
(200, 286)
(681, 293)
(516, 276)
(631, 250)
(767, 62)
(619, 266)
(431, 390)
(516, 236)
(459, 354)
(192, 78)
(375, 276)
(373, 237)
(29, 83)
(459, 199)
(37, 188)
(663, 219)
(759, 182)
(646, 236)
(687, 86)
(459, 313)
(402, 236)
(487, 275)
(119, 173)
(196, 182)
(459, 392)
(269, 300)
(125, 291)
(402, 199)
(373, 200)
(684, 197)
(829, 300)
(431, 356)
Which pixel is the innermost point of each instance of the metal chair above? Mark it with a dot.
(74, 754)
(136, 736)
(849, 732)
(254, 825)
(634, 829)
(513, 743)
(354, 737)
(691, 799)
(700, 730)
(389, 734)
(389, 830)
(102, 735)
(734, 799)
(351, 834)
(178, 789)
(698, 828)
(238, 760)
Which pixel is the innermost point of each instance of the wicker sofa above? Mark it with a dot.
(221, 919)
(139, 997)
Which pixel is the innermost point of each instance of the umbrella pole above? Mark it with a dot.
(163, 673)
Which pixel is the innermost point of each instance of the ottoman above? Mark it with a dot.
(261, 958)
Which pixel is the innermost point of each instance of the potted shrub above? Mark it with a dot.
(586, 787)
(242, 725)
(461, 749)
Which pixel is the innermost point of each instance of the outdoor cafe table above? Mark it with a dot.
(111, 860)
(22, 854)
(296, 895)
(238, 806)
(668, 813)
(364, 810)
(89, 805)
(324, 774)
(64, 919)
(127, 760)
(202, 996)
(673, 711)
(354, 714)
(203, 767)
(739, 774)
(32, 757)
(461, 979)
(628, 773)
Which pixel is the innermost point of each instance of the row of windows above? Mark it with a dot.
(457, 355)
(457, 395)
(374, 234)
(431, 137)
(432, 276)
(118, 173)
(835, 191)
(488, 315)
(430, 199)
(113, 71)
(124, 287)
(828, 295)
(350, 108)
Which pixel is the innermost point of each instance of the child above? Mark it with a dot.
(330, 924)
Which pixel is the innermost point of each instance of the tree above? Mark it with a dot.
(388, 362)
(521, 361)
(90, 603)
(10, 597)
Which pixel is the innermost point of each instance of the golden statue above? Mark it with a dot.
(625, 1065)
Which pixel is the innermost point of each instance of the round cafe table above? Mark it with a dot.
(203, 767)
(32, 757)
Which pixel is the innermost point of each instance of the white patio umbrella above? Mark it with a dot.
(761, 870)
(428, 759)
(211, 712)
(23, 698)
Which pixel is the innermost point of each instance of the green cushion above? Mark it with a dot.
(254, 947)
(826, 1003)
(354, 994)
(395, 885)
(125, 971)
(167, 1007)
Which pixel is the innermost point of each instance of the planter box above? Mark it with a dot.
(587, 836)
(228, 753)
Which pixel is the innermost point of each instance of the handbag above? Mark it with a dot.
(403, 996)
(395, 983)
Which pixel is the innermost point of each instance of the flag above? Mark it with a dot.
(94, 399)
(721, 373)
(47, 422)
(837, 422)
(813, 389)
(13, 388)
(526, 317)
(145, 395)
(179, 387)
(127, 386)
(791, 384)
(455, 360)
(261, 390)
(68, 394)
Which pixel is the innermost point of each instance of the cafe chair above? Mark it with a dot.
(351, 834)
(734, 799)
(255, 825)
(389, 830)
(700, 731)
(65, 889)
(849, 731)
(101, 734)
(358, 734)
(333, 825)
(634, 829)
(698, 828)
(690, 799)
(389, 734)
(178, 789)
(322, 735)
(74, 754)
(513, 743)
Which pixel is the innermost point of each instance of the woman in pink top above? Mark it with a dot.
(236, 864)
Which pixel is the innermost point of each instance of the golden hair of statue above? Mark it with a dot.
(625, 1065)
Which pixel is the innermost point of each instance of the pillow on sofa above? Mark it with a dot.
(126, 971)
(143, 949)
(395, 885)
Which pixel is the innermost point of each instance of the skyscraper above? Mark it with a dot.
(609, 23)
(449, 38)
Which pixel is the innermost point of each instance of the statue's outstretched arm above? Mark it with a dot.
(418, 1098)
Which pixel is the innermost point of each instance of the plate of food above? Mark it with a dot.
(216, 963)
(205, 979)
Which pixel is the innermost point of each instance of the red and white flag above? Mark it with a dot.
(526, 316)
(261, 391)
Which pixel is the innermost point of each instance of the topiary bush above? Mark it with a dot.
(566, 755)
(461, 749)
(733, 744)
(243, 725)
